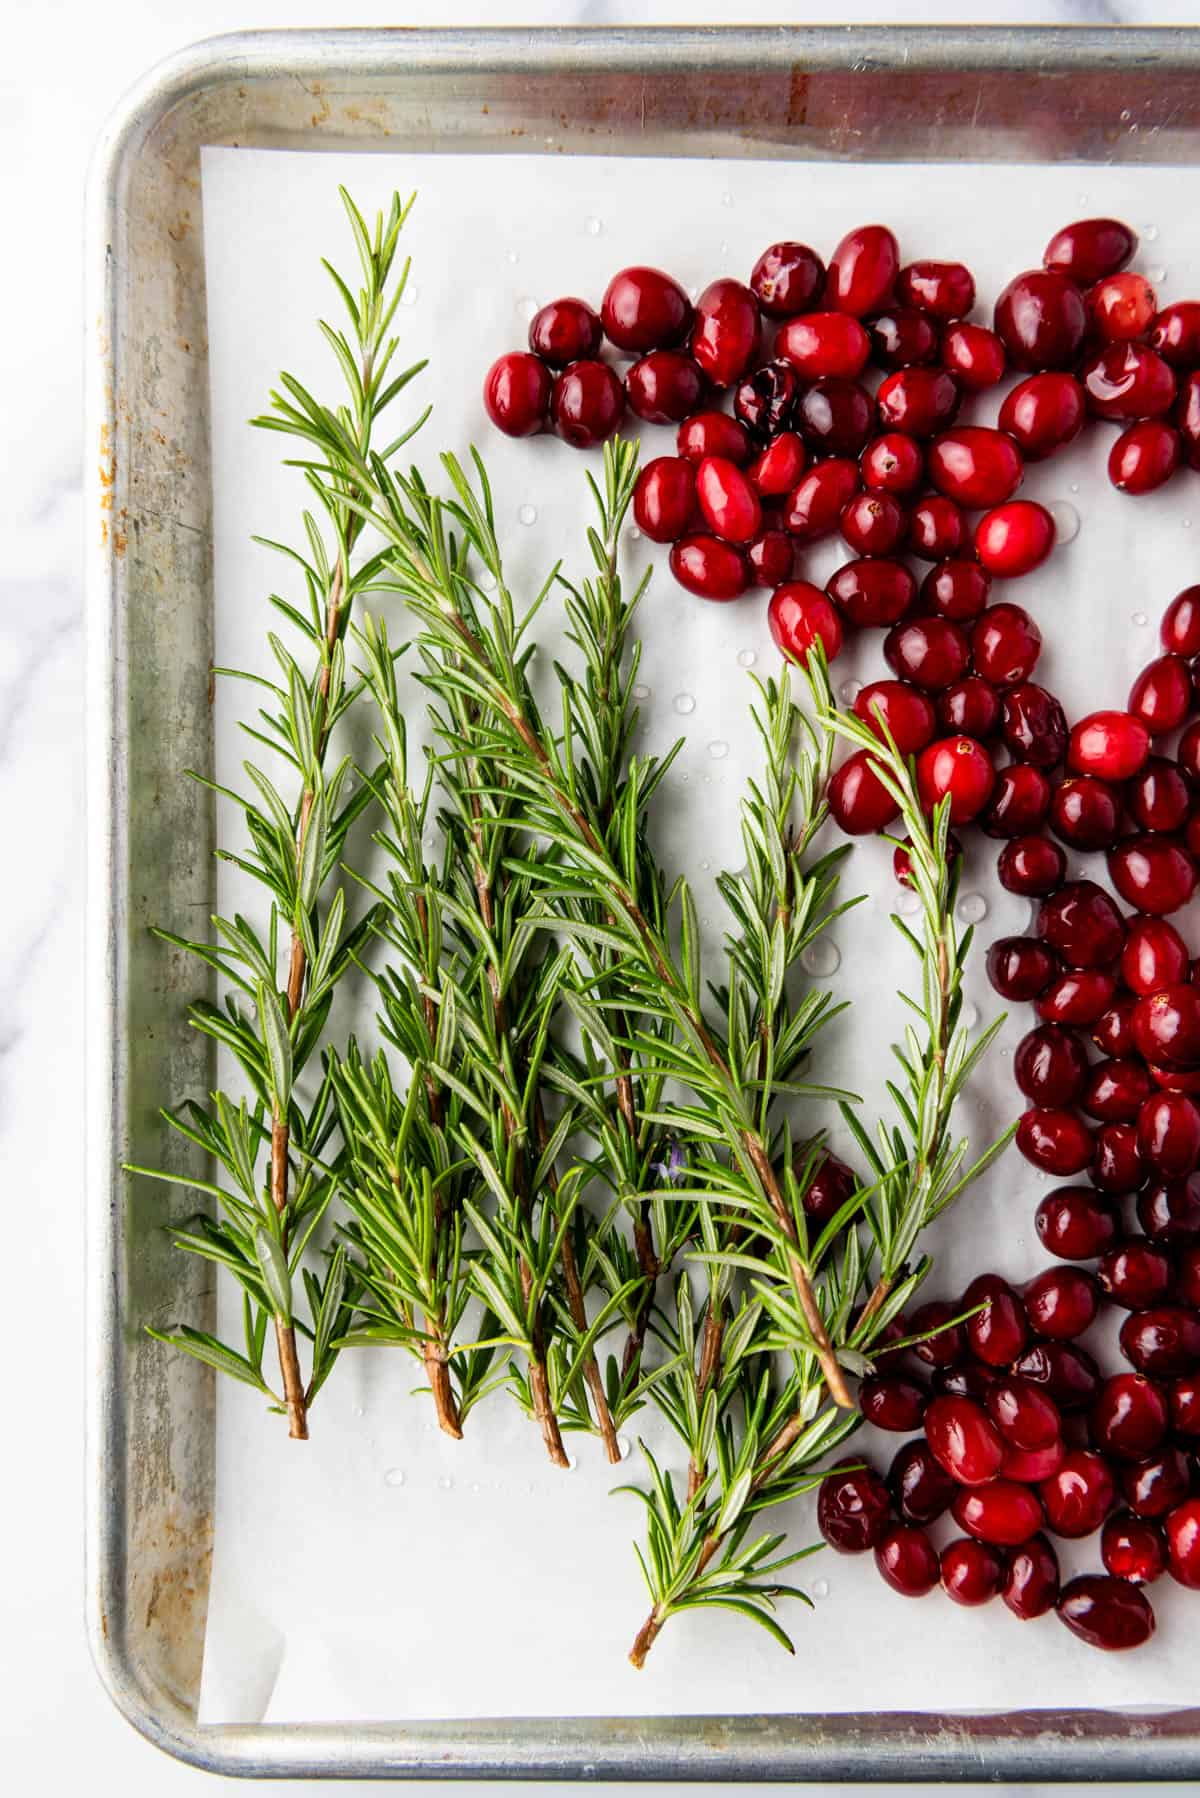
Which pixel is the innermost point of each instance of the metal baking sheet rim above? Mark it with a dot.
(150, 1423)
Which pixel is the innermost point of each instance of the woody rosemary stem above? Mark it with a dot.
(709, 1371)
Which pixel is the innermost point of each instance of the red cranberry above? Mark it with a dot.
(956, 589)
(901, 337)
(937, 528)
(1162, 1340)
(972, 1572)
(1043, 414)
(1133, 1549)
(834, 416)
(873, 524)
(944, 289)
(970, 707)
(862, 270)
(823, 343)
(765, 401)
(665, 387)
(1168, 1132)
(920, 401)
(1014, 539)
(1170, 1211)
(713, 434)
(1184, 1400)
(1166, 1025)
(1179, 632)
(1001, 1512)
(1006, 644)
(1074, 1223)
(964, 1440)
(939, 1343)
(1056, 1141)
(1082, 925)
(1182, 1529)
(957, 768)
(799, 615)
(1031, 866)
(1121, 307)
(997, 1332)
(1175, 334)
(564, 331)
(709, 568)
(1023, 1413)
(1152, 873)
(1080, 1495)
(932, 653)
(904, 713)
(975, 355)
(975, 466)
(1020, 801)
(1186, 417)
(1090, 249)
(1135, 1273)
(1153, 1487)
(1144, 457)
(853, 1509)
(729, 503)
(858, 800)
(1086, 813)
(1068, 1373)
(908, 1560)
(664, 498)
(1050, 1065)
(830, 1185)
(1116, 1091)
(815, 504)
(1105, 1612)
(643, 309)
(1041, 320)
(971, 1380)
(587, 404)
(1187, 753)
(771, 556)
(1127, 381)
(777, 468)
(725, 335)
(1154, 956)
(921, 1489)
(1187, 1278)
(1117, 1167)
(872, 590)
(902, 857)
(893, 463)
(1113, 1034)
(1158, 799)
(1077, 997)
(1062, 1302)
(892, 1402)
(787, 278)
(1112, 745)
(516, 394)
(1019, 967)
(1030, 1466)
(1031, 1584)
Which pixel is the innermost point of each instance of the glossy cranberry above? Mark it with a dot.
(1075, 1224)
(1184, 1401)
(1144, 457)
(823, 343)
(1090, 249)
(516, 394)
(1015, 538)
(725, 333)
(713, 434)
(1025, 1416)
(587, 404)
(1159, 798)
(931, 653)
(972, 1572)
(765, 401)
(730, 506)
(1112, 745)
(815, 504)
(1154, 956)
(902, 337)
(998, 1331)
(1078, 997)
(1030, 1466)
(1082, 925)
(664, 387)
(1080, 1495)
(858, 800)
(1186, 418)
(1086, 813)
(921, 1489)
(939, 1343)
(937, 528)
(1113, 1034)
(1187, 753)
(969, 707)
(1155, 1486)
(1170, 1211)
(1187, 1277)
(893, 463)
(1043, 414)
(799, 616)
(1175, 334)
(1031, 1582)
(946, 290)
(1061, 1303)
(1128, 381)
(787, 278)
(956, 589)
(1133, 1549)
(1005, 644)
(957, 768)
(1182, 1530)
(1056, 1141)
(1019, 803)
(975, 355)
(975, 466)
(834, 416)
(1050, 1065)
(920, 401)
(863, 270)
(664, 499)
(1116, 1091)
(1019, 967)
(772, 556)
(1001, 1512)
(1106, 1613)
(1179, 632)
(1168, 1133)
(964, 1440)
(902, 857)
(872, 590)
(1068, 1373)
(709, 568)
(894, 707)
(1117, 1166)
(853, 1509)
(1163, 1340)
(873, 524)
(565, 331)
(1041, 320)
(1121, 307)
(892, 1402)
(1166, 1025)
(1153, 873)
(1135, 1273)
(830, 1185)
(969, 1380)
(644, 309)
(1031, 866)
(1173, 1079)
(907, 1560)
(1129, 1418)
(777, 468)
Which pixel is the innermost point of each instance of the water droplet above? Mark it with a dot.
(635, 536)
(514, 255)
(1006, 1052)
(411, 294)
(706, 866)
(1149, 232)
(727, 198)
(445, 1482)
(1066, 520)
(718, 750)
(723, 248)
(909, 903)
(475, 1486)
(684, 702)
(527, 307)
(1140, 619)
(968, 1017)
(640, 692)
(1133, 128)
(488, 581)
(394, 1476)
(821, 956)
(527, 513)
(708, 780)
(572, 1463)
(693, 294)
(1186, 523)
(1156, 275)
(820, 1588)
(746, 658)
(358, 1411)
(849, 691)
(623, 1447)
(1126, 115)
(684, 775)
(972, 908)
(1074, 486)
(593, 227)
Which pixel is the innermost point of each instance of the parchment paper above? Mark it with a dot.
(382, 1571)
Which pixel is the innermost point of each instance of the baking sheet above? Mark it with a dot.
(382, 1571)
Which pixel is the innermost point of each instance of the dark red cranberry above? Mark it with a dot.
(863, 270)
(1170, 1211)
(892, 1402)
(709, 568)
(1077, 997)
(1068, 1373)
(1186, 418)
(1179, 632)
(975, 466)
(800, 615)
(1005, 645)
(956, 589)
(830, 1185)
(771, 556)
(777, 468)
(1154, 956)
(858, 800)
(893, 463)
(1074, 1223)
(1113, 1034)
(970, 1380)
(931, 653)
(920, 401)
(565, 331)
(970, 707)
(908, 1560)
(1061, 1303)
(921, 1489)
(1162, 1341)
(901, 337)
(964, 1440)
(1031, 1583)
(1050, 1065)
(1175, 334)
(972, 1572)
(1166, 1025)
(1128, 381)
(1168, 1133)
(1043, 414)
(765, 401)
(1080, 1495)
(1023, 1413)
(815, 504)
(665, 497)
(1135, 1273)
(946, 290)
(1082, 925)
(1133, 1549)
(1121, 308)
(1033, 725)
(905, 714)
(902, 857)
(1152, 873)
(1187, 1277)
(1117, 1166)
(1116, 1091)
(853, 1509)
(834, 416)
(975, 355)
(1041, 320)
(1159, 799)
(937, 528)
(1001, 1512)
(940, 1343)
(516, 394)
(1058, 1142)
(644, 309)
(713, 434)
(872, 590)
(1030, 865)
(873, 524)
(1155, 1486)
(1019, 967)
(1105, 1612)
(1144, 457)
(787, 278)
(665, 387)
(1182, 1530)
(1184, 1401)
(1111, 745)
(725, 333)
(958, 769)
(1030, 1466)
(587, 404)
(1086, 813)
(732, 510)
(998, 1330)
(823, 343)
(1090, 249)
(1187, 753)
(1015, 538)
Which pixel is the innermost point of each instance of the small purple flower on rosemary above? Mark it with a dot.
(673, 1167)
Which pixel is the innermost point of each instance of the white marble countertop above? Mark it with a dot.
(66, 63)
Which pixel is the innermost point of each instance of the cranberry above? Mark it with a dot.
(1019, 967)
(1152, 873)
(997, 1332)
(1113, 1034)
(862, 270)
(1117, 1167)
(920, 401)
(823, 343)
(969, 707)
(830, 1185)
(944, 289)
(664, 498)
(972, 1572)
(1175, 334)
(858, 800)
(834, 416)
(921, 1489)
(1121, 307)
(1144, 457)
(1186, 418)
(587, 404)
(1133, 1549)
(1082, 925)
(1128, 381)
(799, 615)
(1135, 1273)
(1033, 1465)
(976, 466)
(908, 1560)
(1113, 745)
(1005, 644)
(709, 568)
(1041, 320)
(729, 503)
(1128, 1417)
(1168, 1133)
(1031, 1583)
(786, 278)
(1187, 753)
(964, 1440)
(1062, 1302)
(1116, 1091)
(1015, 538)
(644, 309)
(1187, 1278)
(892, 1402)
(766, 400)
(1000, 1512)
(904, 713)
(725, 334)
(902, 857)
(564, 331)
(1023, 1413)
(713, 434)
(1090, 249)
(1043, 414)
(1182, 1529)
(815, 504)
(1170, 1211)
(1105, 1612)
(975, 355)
(1154, 956)
(1158, 799)
(937, 528)
(1080, 1495)
(1155, 1486)
(1162, 1340)
(1031, 866)
(777, 468)
(1050, 1065)
(1184, 1402)
(516, 394)
(872, 590)
(1166, 1025)
(932, 653)
(873, 524)
(902, 337)
(665, 387)
(957, 768)
(893, 463)
(771, 556)
(1086, 813)
(939, 1343)
(1179, 632)
(1056, 1141)
(853, 1509)
(956, 589)
(972, 1380)
(1077, 997)
(1074, 1223)
(1019, 803)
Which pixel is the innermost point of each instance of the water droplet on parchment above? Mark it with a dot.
(445, 1482)
(972, 908)
(593, 226)
(1149, 232)
(909, 903)
(640, 692)
(968, 1017)
(1140, 619)
(746, 658)
(623, 1447)
(849, 691)
(718, 750)
(1156, 275)
(706, 866)
(1074, 486)
(358, 1411)
(684, 703)
(394, 1476)
(820, 1588)
(821, 956)
(1186, 523)
(411, 294)
(727, 198)
(1066, 520)
(635, 536)
(572, 1463)
(527, 513)
(488, 581)
(527, 307)
(1126, 115)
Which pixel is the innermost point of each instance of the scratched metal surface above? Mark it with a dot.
(873, 95)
